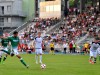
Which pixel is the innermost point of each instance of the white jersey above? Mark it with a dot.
(64, 45)
(38, 42)
(94, 47)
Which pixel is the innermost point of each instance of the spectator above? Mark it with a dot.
(71, 47)
(65, 47)
(74, 48)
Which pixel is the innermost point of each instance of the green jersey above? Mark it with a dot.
(4, 42)
(14, 41)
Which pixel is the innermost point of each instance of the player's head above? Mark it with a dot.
(39, 34)
(15, 33)
(5, 35)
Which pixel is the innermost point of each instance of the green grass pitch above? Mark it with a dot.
(56, 65)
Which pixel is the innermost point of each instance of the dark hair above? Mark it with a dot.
(15, 32)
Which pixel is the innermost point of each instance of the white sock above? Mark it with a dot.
(40, 58)
(36, 58)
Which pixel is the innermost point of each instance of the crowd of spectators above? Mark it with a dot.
(29, 33)
(74, 26)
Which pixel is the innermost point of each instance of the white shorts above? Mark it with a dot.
(1, 53)
(5, 48)
(94, 54)
(98, 50)
(38, 51)
(15, 50)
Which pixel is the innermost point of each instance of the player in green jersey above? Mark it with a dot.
(4, 43)
(14, 40)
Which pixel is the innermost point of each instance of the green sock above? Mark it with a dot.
(22, 61)
(6, 51)
(4, 58)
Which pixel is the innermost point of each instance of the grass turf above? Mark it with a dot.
(56, 65)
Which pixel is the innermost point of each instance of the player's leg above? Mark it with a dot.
(36, 58)
(0, 56)
(99, 57)
(91, 57)
(37, 55)
(9, 53)
(40, 52)
(5, 57)
(5, 51)
(21, 59)
(95, 56)
(98, 52)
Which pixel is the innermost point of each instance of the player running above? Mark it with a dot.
(38, 47)
(93, 51)
(98, 50)
(4, 44)
(14, 43)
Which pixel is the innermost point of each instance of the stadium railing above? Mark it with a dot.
(20, 27)
(85, 38)
(54, 27)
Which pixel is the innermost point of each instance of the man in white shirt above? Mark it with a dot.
(65, 47)
(93, 51)
(38, 47)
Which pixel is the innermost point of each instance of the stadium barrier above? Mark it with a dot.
(20, 27)
(54, 27)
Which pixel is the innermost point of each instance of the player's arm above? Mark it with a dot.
(9, 44)
(43, 42)
(99, 41)
(34, 42)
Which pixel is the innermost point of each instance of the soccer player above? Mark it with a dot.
(93, 51)
(98, 50)
(15, 42)
(52, 47)
(4, 44)
(38, 47)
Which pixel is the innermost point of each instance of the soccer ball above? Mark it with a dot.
(43, 66)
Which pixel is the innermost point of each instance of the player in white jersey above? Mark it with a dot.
(38, 47)
(98, 41)
(93, 51)
(98, 51)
